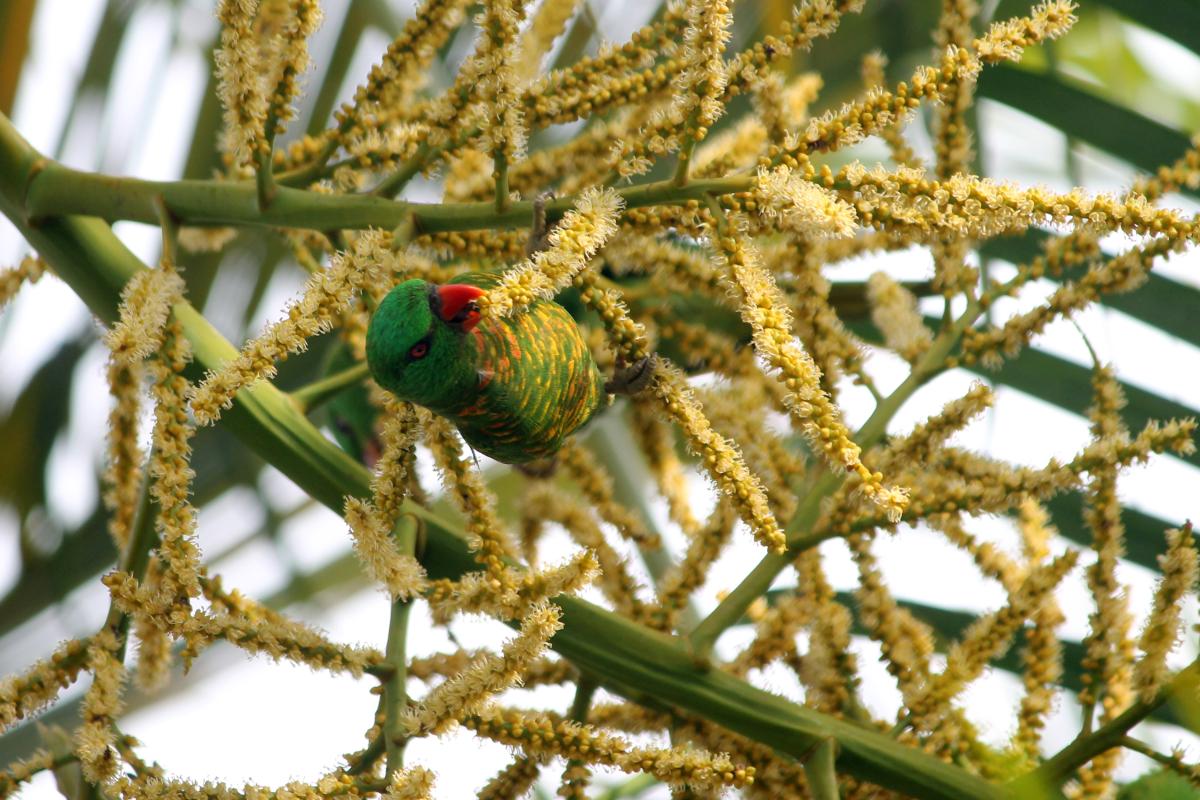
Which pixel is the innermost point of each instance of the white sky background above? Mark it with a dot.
(270, 723)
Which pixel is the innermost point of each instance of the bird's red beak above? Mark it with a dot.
(457, 305)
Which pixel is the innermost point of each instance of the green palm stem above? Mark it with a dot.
(626, 657)
(264, 160)
(1140, 747)
(135, 558)
(500, 173)
(686, 150)
(395, 693)
(630, 788)
(1112, 734)
(54, 189)
(820, 771)
(585, 690)
(393, 184)
(800, 536)
(312, 395)
(264, 180)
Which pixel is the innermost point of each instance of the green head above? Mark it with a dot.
(419, 345)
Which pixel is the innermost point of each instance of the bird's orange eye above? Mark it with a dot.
(418, 350)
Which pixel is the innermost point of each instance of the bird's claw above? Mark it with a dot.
(631, 379)
(539, 232)
(538, 468)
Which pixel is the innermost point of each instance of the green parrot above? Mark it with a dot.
(515, 387)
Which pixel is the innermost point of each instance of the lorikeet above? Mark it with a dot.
(515, 387)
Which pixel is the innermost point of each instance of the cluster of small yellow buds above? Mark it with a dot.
(1120, 274)
(894, 312)
(123, 472)
(302, 21)
(155, 653)
(1005, 40)
(974, 207)
(502, 124)
(543, 734)
(372, 521)
(170, 455)
(1042, 656)
(935, 431)
(700, 85)
(1163, 628)
(988, 637)
(615, 581)
(512, 595)
(991, 561)
(247, 625)
(400, 574)
(28, 692)
(514, 780)
(95, 737)
(906, 644)
(571, 244)
(765, 310)
(720, 457)
(146, 301)
(488, 535)
(802, 206)
(239, 81)
(873, 75)
(322, 300)
(392, 81)
(487, 675)
(30, 270)
(262, 52)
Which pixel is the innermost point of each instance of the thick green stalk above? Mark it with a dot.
(1112, 734)
(626, 657)
(54, 189)
(312, 395)
(630, 788)
(821, 772)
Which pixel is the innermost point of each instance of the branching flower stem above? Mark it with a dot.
(313, 395)
(625, 656)
(1112, 734)
(56, 189)
(134, 559)
(819, 769)
(755, 584)
(395, 694)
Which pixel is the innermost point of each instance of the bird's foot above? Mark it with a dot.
(538, 468)
(631, 379)
(539, 232)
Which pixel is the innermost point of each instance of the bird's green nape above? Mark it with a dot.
(416, 355)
